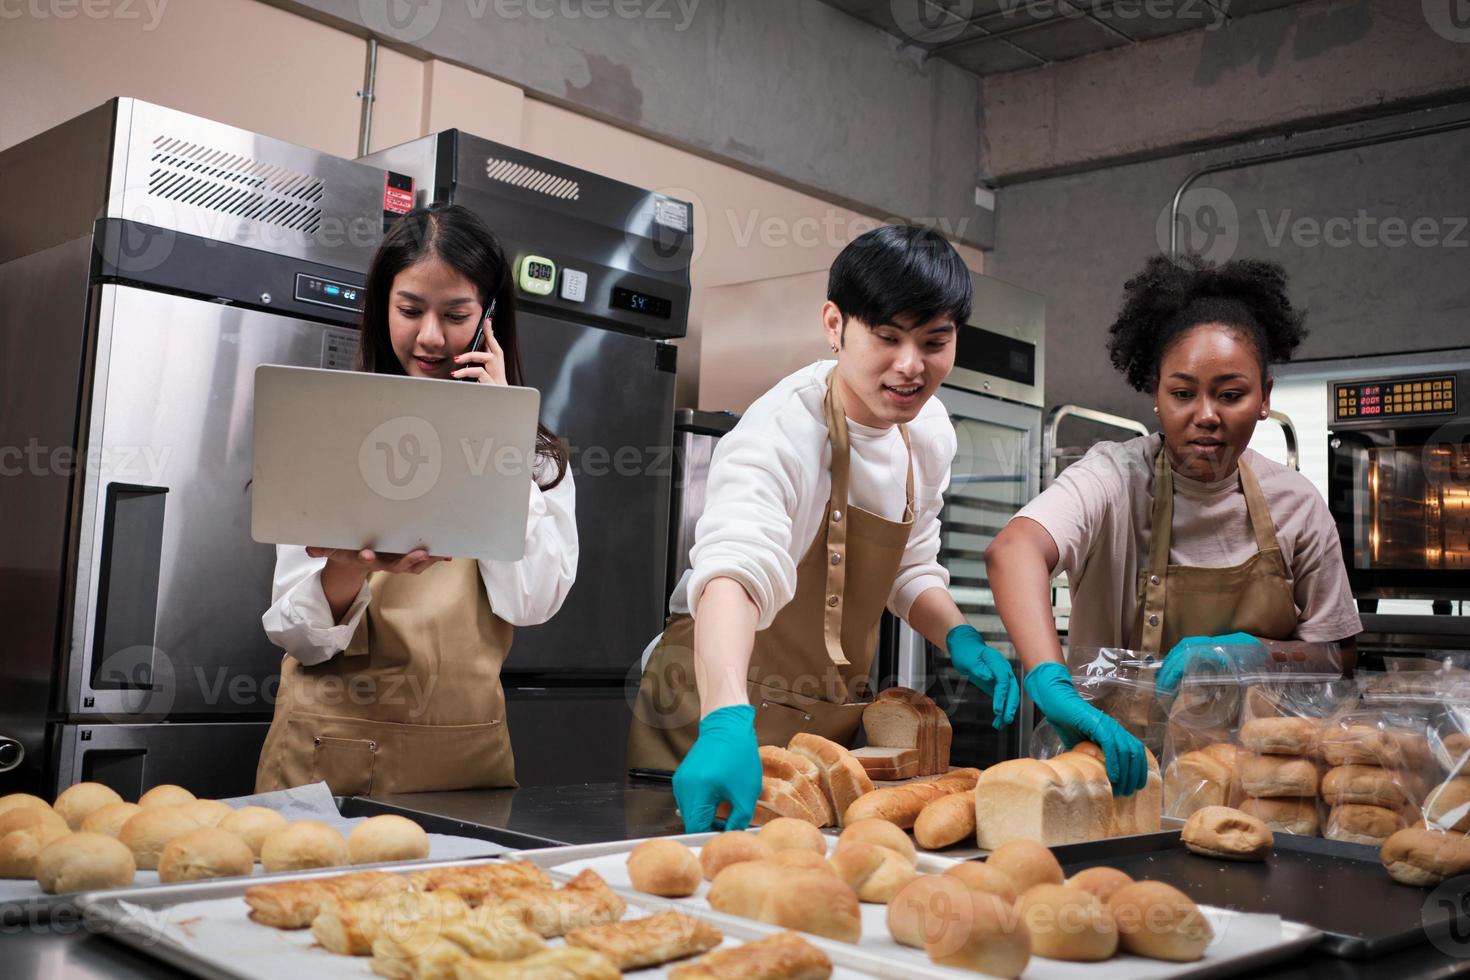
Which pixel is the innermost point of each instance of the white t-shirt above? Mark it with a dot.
(524, 592)
(769, 484)
(1100, 510)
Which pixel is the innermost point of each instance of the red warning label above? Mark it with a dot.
(397, 193)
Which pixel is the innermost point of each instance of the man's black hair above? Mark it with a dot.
(900, 270)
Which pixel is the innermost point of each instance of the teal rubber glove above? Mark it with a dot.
(987, 669)
(723, 765)
(1203, 654)
(1050, 688)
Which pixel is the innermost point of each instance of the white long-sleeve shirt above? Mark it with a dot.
(769, 482)
(523, 592)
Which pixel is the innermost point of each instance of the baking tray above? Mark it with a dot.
(1244, 941)
(23, 904)
(1336, 887)
(171, 924)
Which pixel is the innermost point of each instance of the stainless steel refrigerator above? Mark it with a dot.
(603, 269)
(149, 261)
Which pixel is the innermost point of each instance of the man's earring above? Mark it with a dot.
(1156, 409)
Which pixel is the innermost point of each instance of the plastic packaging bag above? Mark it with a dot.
(1426, 704)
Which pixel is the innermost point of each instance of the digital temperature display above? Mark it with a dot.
(637, 302)
(1394, 397)
(327, 292)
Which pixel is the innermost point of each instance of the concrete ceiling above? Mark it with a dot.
(988, 37)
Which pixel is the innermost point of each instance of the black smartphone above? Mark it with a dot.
(479, 336)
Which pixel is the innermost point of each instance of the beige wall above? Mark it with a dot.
(261, 68)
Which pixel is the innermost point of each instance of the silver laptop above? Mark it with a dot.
(345, 459)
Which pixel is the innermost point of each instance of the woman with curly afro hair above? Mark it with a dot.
(1183, 543)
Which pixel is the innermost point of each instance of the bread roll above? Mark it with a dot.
(806, 860)
(916, 910)
(253, 824)
(1418, 856)
(165, 795)
(978, 876)
(1365, 745)
(303, 844)
(148, 831)
(78, 802)
(109, 819)
(1362, 784)
(1159, 921)
(84, 862)
(1358, 823)
(1222, 752)
(874, 872)
(664, 867)
(18, 849)
(1100, 881)
(731, 847)
(1286, 815)
(1194, 781)
(899, 805)
(207, 852)
(1027, 863)
(388, 837)
(807, 901)
(1448, 805)
(786, 834)
(1280, 736)
(1271, 776)
(15, 801)
(1224, 832)
(983, 935)
(948, 820)
(1067, 923)
(22, 817)
(207, 813)
(1455, 743)
(882, 833)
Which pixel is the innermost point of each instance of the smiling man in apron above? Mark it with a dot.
(1182, 543)
(822, 510)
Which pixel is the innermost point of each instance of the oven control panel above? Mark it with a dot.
(1357, 401)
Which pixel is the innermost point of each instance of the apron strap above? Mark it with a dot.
(1255, 506)
(1158, 554)
(836, 519)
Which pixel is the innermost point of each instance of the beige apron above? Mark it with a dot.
(414, 703)
(809, 668)
(1253, 597)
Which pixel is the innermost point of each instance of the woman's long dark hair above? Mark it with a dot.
(456, 235)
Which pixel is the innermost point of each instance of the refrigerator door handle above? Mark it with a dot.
(12, 753)
(127, 588)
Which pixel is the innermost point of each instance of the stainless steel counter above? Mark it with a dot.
(579, 814)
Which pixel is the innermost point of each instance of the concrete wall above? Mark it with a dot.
(276, 72)
(1375, 241)
(1306, 65)
(794, 90)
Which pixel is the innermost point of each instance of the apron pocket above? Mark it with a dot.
(344, 764)
(780, 714)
